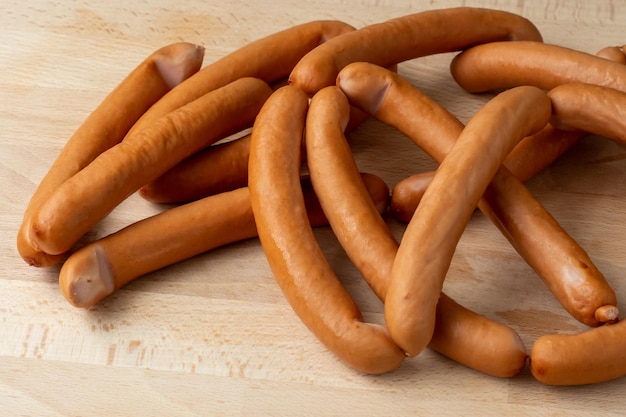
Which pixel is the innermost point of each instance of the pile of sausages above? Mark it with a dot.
(157, 133)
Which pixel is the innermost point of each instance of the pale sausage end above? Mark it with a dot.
(87, 279)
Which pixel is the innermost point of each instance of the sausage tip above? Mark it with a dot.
(177, 67)
(352, 80)
(86, 277)
(607, 314)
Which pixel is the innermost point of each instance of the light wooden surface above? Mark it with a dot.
(214, 335)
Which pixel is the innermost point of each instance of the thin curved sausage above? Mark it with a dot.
(430, 239)
(334, 175)
(101, 267)
(590, 357)
(106, 126)
(407, 37)
(562, 264)
(297, 262)
(81, 202)
(500, 65)
(486, 345)
(466, 337)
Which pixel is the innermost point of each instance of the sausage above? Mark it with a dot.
(270, 59)
(106, 265)
(476, 341)
(592, 356)
(408, 37)
(561, 263)
(215, 169)
(336, 181)
(106, 126)
(589, 108)
(430, 239)
(296, 259)
(500, 65)
(460, 334)
(82, 201)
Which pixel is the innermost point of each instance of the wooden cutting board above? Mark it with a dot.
(214, 335)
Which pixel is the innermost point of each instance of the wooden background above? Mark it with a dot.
(214, 335)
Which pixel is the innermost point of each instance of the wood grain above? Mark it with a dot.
(213, 335)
